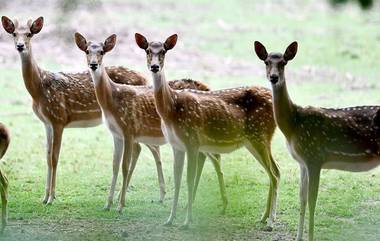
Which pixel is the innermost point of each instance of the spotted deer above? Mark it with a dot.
(215, 121)
(131, 116)
(4, 143)
(60, 100)
(320, 138)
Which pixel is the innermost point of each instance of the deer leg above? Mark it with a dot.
(179, 157)
(276, 172)
(215, 158)
(4, 199)
(127, 155)
(161, 180)
(117, 155)
(263, 155)
(54, 156)
(303, 198)
(192, 161)
(314, 176)
(201, 163)
(49, 145)
(135, 155)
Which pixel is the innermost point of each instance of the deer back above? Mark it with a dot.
(223, 117)
(70, 97)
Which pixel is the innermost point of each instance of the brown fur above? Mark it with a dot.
(131, 116)
(188, 84)
(219, 117)
(134, 106)
(4, 140)
(215, 121)
(60, 100)
(134, 111)
(64, 97)
(320, 138)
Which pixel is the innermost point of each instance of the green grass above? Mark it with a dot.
(332, 42)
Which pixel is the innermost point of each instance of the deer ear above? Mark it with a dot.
(291, 51)
(81, 42)
(141, 41)
(37, 25)
(260, 50)
(8, 25)
(171, 42)
(109, 43)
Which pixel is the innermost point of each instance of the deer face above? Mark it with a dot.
(155, 51)
(22, 33)
(95, 51)
(275, 62)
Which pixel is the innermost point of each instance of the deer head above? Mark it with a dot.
(95, 51)
(22, 33)
(275, 62)
(155, 51)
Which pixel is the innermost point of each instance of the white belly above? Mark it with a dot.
(157, 141)
(172, 137)
(84, 123)
(352, 166)
(112, 125)
(358, 166)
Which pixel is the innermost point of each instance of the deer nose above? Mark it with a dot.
(154, 68)
(93, 66)
(20, 47)
(273, 78)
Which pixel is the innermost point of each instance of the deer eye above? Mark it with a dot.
(266, 63)
(87, 52)
(29, 35)
(14, 35)
(101, 52)
(147, 51)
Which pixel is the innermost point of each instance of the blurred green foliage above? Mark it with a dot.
(365, 4)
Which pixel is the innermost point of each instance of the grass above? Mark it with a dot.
(333, 45)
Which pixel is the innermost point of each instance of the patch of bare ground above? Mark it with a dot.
(121, 229)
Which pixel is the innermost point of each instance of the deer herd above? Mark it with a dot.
(196, 122)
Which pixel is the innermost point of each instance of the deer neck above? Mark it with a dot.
(284, 109)
(102, 84)
(163, 95)
(31, 74)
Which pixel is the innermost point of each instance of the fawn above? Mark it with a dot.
(212, 121)
(345, 139)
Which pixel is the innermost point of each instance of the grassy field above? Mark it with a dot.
(337, 65)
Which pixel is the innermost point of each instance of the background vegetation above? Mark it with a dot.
(337, 66)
